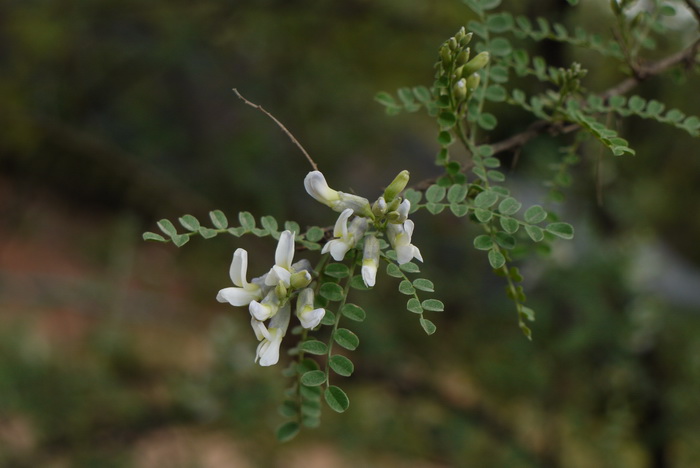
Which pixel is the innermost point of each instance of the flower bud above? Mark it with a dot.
(459, 90)
(445, 55)
(396, 186)
(477, 63)
(308, 316)
(300, 279)
(463, 56)
(370, 261)
(453, 44)
(465, 40)
(379, 207)
(473, 81)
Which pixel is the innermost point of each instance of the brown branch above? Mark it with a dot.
(695, 8)
(280, 125)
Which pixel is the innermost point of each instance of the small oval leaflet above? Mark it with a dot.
(336, 398)
(314, 347)
(353, 312)
(341, 365)
(346, 339)
(434, 305)
(313, 378)
(287, 431)
(331, 291)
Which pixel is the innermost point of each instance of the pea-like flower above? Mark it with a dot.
(346, 236)
(282, 271)
(370, 260)
(268, 351)
(316, 186)
(245, 292)
(400, 239)
(308, 316)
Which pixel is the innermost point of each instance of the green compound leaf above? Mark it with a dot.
(434, 305)
(313, 378)
(405, 287)
(287, 431)
(167, 227)
(505, 240)
(307, 365)
(414, 197)
(459, 210)
(434, 208)
(189, 222)
(563, 230)
(346, 339)
(353, 312)
(428, 326)
(510, 225)
(447, 120)
(509, 206)
(435, 193)
(314, 234)
(535, 214)
(457, 193)
(237, 231)
(331, 291)
(410, 267)
(311, 409)
(496, 93)
(445, 138)
(535, 232)
(424, 284)
(422, 94)
(483, 215)
(393, 270)
(270, 223)
(314, 347)
(218, 218)
(153, 237)
(483, 242)
(341, 365)
(180, 240)
(413, 305)
(289, 408)
(336, 398)
(337, 270)
(328, 318)
(487, 121)
(247, 220)
(207, 233)
(292, 226)
(500, 46)
(496, 259)
(485, 199)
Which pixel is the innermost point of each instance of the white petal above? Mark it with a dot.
(239, 267)
(416, 254)
(408, 228)
(357, 229)
(281, 320)
(262, 311)
(302, 264)
(316, 186)
(238, 296)
(278, 275)
(369, 275)
(338, 249)
(404, 254)
(268, 352)
(285, 250)
(311, 317)
(259, 329)
(341, 225)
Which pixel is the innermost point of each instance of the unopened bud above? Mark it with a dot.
(379, 207)
(454, 46)
(477, 63)
(465, 40)
(463, 56)
(281, 290)
(300, 279)
(473, 81)
(459, 90)
(445, 55)
(396, 186)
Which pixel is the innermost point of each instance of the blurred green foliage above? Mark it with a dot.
(123, 109)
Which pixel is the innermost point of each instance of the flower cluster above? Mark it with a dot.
(269, 297)
(389, 214)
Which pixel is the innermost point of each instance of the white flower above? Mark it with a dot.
(281, 272)
(267, 308)
(316, 186)
(400, 215)
(308, 316)
(245, 292)
(370, 261)
(347, 237)
(400, 239)
(268, 351)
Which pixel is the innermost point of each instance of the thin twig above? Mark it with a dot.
(280, 125)
(695, 8)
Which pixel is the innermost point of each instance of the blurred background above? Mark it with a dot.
(113, 351)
